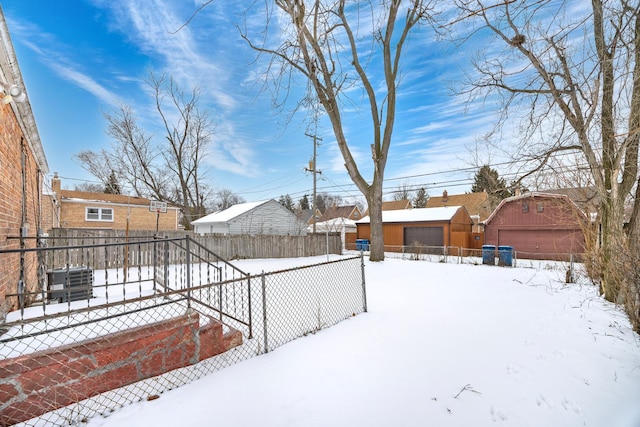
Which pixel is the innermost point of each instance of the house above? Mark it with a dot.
(24, 166)
(443, 226)
(394, 205)
(83, 209)
(306, 215)
(351, 212)
(538, 226)
(477, 204)
(264, 217)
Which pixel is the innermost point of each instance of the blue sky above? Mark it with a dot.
(80, 59)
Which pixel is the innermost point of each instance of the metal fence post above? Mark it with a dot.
(166, 265)
(187, 239)
(264, 311)
(250, 308)
(364, 285)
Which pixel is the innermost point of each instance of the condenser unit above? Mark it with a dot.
(70, 284)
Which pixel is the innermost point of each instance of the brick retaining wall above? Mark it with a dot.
(37, 383)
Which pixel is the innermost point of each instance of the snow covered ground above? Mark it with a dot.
(441, 345)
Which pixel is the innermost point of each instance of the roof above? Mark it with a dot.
(103, 197)
(475, 203)
(339, 212)
(416, 215)
(229, 213)
(334, 224)
(11, 74)
(394, 205)
(585, 197)
(532, 195)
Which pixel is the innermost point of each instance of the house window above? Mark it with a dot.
(99, 214)
(525, 207)
(540, 207)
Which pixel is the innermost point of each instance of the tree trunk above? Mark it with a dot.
(374, 200)
(613, 241)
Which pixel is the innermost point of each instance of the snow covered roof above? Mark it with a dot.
(445, 213)
(229, 213)
(335, 224)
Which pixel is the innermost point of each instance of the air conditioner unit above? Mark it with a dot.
(70, 284)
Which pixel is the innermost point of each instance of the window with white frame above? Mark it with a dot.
(99, 214)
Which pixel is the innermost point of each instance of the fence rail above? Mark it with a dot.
(228, 247)
(170, 308)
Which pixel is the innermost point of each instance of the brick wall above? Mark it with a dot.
(41, 382)
(73, 205)
(13, 167)
(72, 215)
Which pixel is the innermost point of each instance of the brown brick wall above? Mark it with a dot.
(46, 380)
(13, 206)
(72, 215)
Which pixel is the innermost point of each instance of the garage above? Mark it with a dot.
(529, 242)
(426, 236)
(538, 226)
(441, 227)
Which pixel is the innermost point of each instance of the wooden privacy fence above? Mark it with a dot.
(228, 247)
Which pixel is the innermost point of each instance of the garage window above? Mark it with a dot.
(540, 207)
(525, 207)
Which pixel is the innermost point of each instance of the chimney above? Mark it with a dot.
(517, 190)
(445, 196)
(55, 183)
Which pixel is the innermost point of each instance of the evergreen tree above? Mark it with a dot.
(112, 186)
(420, 201)
(304, 203)
(287, 202)
(487, 179)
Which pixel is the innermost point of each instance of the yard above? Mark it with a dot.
(441, 345)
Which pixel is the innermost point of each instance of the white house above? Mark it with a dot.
(265, 217)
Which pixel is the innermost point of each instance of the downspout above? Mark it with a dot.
(23, 224)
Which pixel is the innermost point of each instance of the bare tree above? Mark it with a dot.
(226, 198)
(331, 44)
(89, 187)
(402, 193)
(172, 170)
(577, 73)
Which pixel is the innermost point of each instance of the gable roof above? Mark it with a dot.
(416, 215)
(475, 203)
(230, 213)
(334, 225)
(532, 195)
(340, 212)
(393, 205)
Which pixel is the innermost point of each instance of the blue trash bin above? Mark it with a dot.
(505, 256)
(489, 254)
(362, 244)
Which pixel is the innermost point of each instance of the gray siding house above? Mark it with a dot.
(266, 217)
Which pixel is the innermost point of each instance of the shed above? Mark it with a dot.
(538, 226)
(443, 226)
(264, 217)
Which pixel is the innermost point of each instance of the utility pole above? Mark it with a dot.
(312, 168)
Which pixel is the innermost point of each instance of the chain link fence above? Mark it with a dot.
(569, 266)
(106, 328)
